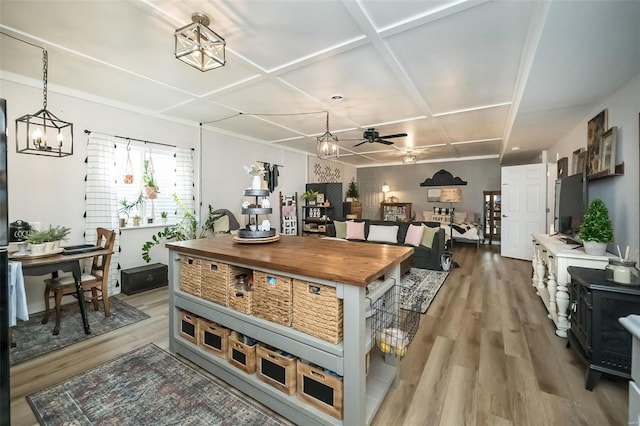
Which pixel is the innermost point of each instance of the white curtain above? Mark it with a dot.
(101, 198)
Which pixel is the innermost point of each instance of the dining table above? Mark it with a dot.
(62, 262)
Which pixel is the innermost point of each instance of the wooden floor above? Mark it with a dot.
(485, 354)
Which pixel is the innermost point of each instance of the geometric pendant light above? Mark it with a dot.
(198, 45)
(327, 145)
(43, 133)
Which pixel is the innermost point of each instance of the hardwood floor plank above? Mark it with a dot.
(460, 400)
(493, 394)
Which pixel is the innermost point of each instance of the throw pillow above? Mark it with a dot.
(221, 225)
(427, 235)
(459, 217)
(341, 229)
(442, 218)
(383, 233)
(355, 231)
(414, 235)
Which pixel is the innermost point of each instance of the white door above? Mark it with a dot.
(524, 205)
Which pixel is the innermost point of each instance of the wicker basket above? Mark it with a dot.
(273, 297)
(240, 299)
(190, 275)
(216, 279)
(317, 311)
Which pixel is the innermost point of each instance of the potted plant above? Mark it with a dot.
(150, 188)
(310, 196)
(596, 230)
(37, 239)
(352, 191)
(136, 220)
(56, 236)
(163, 216)
(126, 207)
(256, 173)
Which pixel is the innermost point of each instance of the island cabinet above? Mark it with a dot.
(315, 261)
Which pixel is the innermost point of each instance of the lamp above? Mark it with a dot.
(43, 133)
(451, 195)
(198, 45)
(409, 159)
(327, 145)
(385, 189)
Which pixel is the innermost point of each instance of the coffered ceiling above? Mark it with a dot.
(461, 78)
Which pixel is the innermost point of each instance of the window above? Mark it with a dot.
(163, 164)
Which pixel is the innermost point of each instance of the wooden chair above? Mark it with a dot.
(97, 281)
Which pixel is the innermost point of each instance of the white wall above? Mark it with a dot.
(620, 193)
(51, 190)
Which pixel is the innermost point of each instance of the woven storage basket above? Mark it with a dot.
(190, 275)
(272, 297)
(317, 311)
(216, 279)
(240, 300)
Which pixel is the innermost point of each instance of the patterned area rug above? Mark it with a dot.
(34, 338)
(418, 288)
(146, 387)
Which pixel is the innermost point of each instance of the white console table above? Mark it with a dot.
(551, 258)
(632, 323)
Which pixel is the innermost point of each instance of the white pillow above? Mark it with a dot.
(459, 217)
(383, 233)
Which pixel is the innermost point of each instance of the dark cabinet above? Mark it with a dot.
(595, 333)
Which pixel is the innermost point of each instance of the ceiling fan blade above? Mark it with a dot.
(358, 144)
(397, 135)
(379, 140)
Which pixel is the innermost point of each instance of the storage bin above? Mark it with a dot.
(317, 311)
(276, 368)
(320, 389)
(190, 275)
(241, 355)
(213, 337)
(143, 278)
(188, 326)
(216, 277)
(272, 297)
(241, 298)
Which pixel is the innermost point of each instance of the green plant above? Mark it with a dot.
(164, 215)
(596, 225)
(352, 190)
(126, 206)
(147, 175)
(38, 236)
(59, 233)
(186, 229)
(310, 195)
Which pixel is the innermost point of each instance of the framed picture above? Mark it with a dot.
(608, 150)
(582, 162)
(320, 199)
(574, 160)
(595, 128)
(563, 164)
(433, 194)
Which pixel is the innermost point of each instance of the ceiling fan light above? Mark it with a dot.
(198, 45)
(409, 159)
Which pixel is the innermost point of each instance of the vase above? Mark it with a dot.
(256, 182)
(594, 248)
(151, 192)
(37, 249)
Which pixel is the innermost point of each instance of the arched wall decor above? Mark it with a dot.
(443, 178)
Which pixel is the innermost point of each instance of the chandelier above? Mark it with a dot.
(43, 133)
(409, 159)
(198, 45)
(327, 145)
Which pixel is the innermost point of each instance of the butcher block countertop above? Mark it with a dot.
(346, 262)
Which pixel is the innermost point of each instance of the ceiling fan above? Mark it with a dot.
(371, 135)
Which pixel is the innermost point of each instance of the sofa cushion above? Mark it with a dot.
(427, 235)
(414, 235)
(355, 231)
(341, 229)
(383, 233)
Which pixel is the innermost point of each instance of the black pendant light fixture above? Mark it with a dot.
(43, 133)
(327, 145)
(198, 45)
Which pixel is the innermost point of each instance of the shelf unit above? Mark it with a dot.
(492, 214)
(352, 209)
(396, 211)
(363, 394)
(316, 219)
(289, 214)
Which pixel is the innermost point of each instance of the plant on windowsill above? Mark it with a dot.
(126, 207)
(186, 229)
(163, 217)
(352, 191)
(136, 220)
(150, 188)
(596, 230)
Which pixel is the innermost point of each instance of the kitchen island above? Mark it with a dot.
(348, 267)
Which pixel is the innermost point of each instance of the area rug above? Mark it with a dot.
(418, 288)
(147, 386)
(34, 338)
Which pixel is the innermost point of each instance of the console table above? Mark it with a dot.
(551, 258)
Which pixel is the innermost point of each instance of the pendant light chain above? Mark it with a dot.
(45, 68)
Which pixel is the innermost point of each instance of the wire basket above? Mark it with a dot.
(392, 327)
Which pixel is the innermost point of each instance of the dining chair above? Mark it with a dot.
(97, 281)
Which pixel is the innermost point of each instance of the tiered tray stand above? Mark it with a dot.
(246, 235)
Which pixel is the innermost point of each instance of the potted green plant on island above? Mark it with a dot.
(310, 196)
(352, 191)
(596, 230)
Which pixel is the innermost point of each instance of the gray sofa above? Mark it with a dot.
(423, 257)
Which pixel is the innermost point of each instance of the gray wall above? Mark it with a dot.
(404, 183)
